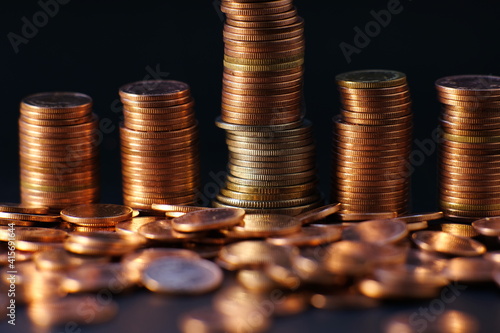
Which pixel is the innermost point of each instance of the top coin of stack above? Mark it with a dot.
(159, 144)
(470, 146)
(372, 142)
(58, 152)
(263, 57)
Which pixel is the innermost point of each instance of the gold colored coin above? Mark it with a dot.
(421, 217)
(462, 230)
(133, 225)
(30, 217)
(489, 226)
(364, 216)
(162, 231)
(176, 208)
(371, 79)
(208, 219)
(251, 254)
(318, 214)
(376, 231)
(34, 234)
(264, 225)
(23, 209)
(96, 214)
(442, 242)
(470, 270)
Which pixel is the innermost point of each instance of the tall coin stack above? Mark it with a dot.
(159, 144)
(271, 152)
(58, 150)
(372, 142)
(470, 146)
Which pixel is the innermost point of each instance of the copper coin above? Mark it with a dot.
(208, 219)
(154, 90)
(57, 102)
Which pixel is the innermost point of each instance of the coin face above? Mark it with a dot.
(373, 78)
(475, 83)
(207, 219)
(57, 100)
(154, 90)
(96, 213)
(34, 234)
(442, 242)
(182, 276)
(489, 226)
(376, 231)
(265, 225)
(19, 208)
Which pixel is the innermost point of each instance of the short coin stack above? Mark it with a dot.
(372, 142)
(58, 151)
(469, 151)
(159, 144)
(270, 169)
(272, 159)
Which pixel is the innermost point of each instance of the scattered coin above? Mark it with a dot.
(24, 209)
(376, 231)
(489, 226)
(208, 219)
(469, 270)
(442, 242)
(264, 225)
(96, 214)
(182, 276)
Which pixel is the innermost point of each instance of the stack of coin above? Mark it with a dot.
(469, 150)
(58, 150)
(263, 57)
(159, 144)
(272, 159)
(372, 142)
(271, 169)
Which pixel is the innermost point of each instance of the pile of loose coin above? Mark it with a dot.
(159, 144)
(469, 150)
(303, 260)
(372, 142)
(58, 150)
(271, 151)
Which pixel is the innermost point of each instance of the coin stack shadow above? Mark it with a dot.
(271, 151)
(372, 143)
(58, 150)
(159, 144)
(469, 150)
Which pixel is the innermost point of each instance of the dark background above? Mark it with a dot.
(94, 47)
